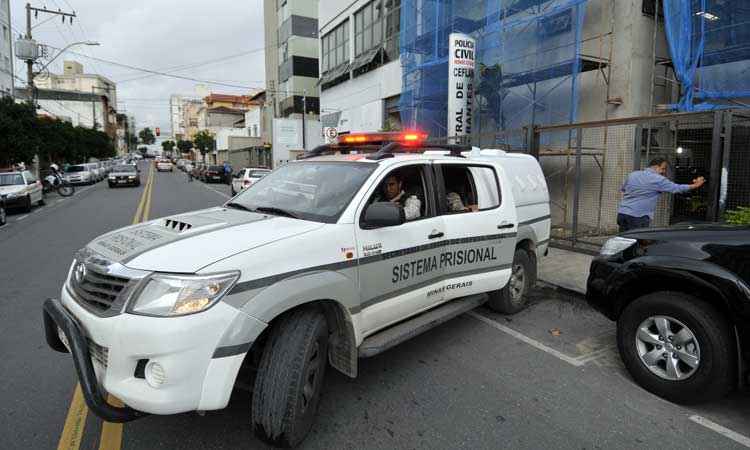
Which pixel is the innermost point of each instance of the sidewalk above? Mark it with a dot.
(566, 269)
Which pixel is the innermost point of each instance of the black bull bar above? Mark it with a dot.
(55, 315)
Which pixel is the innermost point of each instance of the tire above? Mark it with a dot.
(3, 216)
(27, 206)
(512, 299)
(41, 201)
(285, 401)
(715, 358)
(233, 191)
(66, 190)
(111, 186)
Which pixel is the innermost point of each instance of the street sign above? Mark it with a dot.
(461, 61)
(330, 133)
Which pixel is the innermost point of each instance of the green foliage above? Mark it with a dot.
(168, 146)
(147, 136)
(184, 146)
(204, 142)
(23, 135)
(739, 216)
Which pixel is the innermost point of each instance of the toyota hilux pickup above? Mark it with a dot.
(338, 256)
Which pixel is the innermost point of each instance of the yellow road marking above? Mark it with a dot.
(70, 439)
(75, 422)
(111, 438)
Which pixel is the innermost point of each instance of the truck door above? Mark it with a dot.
(399, 269)
(481, 226)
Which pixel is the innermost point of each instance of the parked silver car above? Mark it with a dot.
(79, 174)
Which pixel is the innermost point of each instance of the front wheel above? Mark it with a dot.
(66, 190)
(511, 299)
(290, 378)
(677, 347)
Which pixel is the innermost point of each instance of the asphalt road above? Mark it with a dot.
(546, 378)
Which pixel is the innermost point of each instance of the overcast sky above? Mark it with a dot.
(158, 35)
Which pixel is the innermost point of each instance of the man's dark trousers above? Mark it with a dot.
(628, 223)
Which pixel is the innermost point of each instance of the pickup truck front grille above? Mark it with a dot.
(96, 290)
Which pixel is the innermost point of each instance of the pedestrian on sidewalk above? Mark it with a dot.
(227, 173)
(641, 192)
(189, 172)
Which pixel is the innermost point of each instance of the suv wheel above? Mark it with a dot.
(512, 298)
(290, 378)
(27, 206)
(677, 347)
(3, 217)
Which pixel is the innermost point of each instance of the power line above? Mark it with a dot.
(164, 74)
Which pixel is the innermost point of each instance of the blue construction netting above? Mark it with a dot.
(709, 41)
(528, 61)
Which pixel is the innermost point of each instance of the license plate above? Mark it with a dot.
(122, 181)
(63, 338)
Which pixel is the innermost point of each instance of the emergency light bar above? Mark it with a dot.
(406, 138)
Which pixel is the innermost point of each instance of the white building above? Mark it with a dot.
(6, 50)
(359, 64)
(176, 117)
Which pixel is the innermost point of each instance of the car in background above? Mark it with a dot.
(681, 300)
(124, 175)
(246, 177)
(213, 174)
(79, 174)
(164, 165)
(198, 170)
(21, 189)
(96, 171)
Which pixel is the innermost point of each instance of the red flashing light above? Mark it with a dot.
(408, 138)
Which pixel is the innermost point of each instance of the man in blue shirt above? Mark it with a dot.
(641, 192)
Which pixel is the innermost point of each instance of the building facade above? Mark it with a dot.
(175, 117)
(291, 29)
(6, 50)
(90, 100)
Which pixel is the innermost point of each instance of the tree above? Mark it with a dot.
(204, 142)
(184, 146)
(168, 146)
(147, 136)
(18, 138)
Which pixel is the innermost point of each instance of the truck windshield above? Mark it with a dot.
(316, 191)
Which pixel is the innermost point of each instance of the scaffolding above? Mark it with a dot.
(530, 54)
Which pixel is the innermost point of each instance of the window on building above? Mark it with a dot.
(392, 29)
(368, 27)
(335, 47)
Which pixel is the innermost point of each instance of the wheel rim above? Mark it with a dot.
(668, 348)
(311, 378)
(517, 283)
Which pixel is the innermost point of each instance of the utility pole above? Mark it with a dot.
(30, 62)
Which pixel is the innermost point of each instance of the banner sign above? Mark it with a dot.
(461, 62)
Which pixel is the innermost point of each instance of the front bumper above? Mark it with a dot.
(15, 202)
(198, 370)
(600, 288)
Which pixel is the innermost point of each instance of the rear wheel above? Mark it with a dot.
(290, 378)
(677, 347)
(27, 205)
(66, 190)
(512, 298)
(3, 216)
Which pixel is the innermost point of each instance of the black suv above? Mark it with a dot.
(681, 299)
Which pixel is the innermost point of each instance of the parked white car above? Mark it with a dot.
(21, 189)
(247, 177)
(164, 165)
(79, 174)
(96, 171)
(328, 259)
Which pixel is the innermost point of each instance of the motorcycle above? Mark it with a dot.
(54, 182)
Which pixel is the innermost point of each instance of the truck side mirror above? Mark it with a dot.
(383, 214)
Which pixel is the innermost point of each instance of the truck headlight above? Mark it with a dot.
(616, 245)
(178, 295)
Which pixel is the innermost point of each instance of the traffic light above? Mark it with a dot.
(158, 131)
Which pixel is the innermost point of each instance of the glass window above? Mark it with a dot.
(316, 191)
(10, 179)
(368, 23)
(469, 188)
(407, 187)
(336, 47)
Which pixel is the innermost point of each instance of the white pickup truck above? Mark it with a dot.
(329, 259)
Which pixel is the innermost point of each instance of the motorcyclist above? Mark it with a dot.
(55, 177)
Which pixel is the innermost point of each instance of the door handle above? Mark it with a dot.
(436, 235)
(505, 226)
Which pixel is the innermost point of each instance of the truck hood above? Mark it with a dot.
(188, 242)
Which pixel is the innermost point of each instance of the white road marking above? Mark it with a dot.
(726, 432)
(577, 362)
(22, 217)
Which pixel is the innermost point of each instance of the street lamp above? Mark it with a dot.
(90, 43)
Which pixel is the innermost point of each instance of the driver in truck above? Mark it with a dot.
(394, 193)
